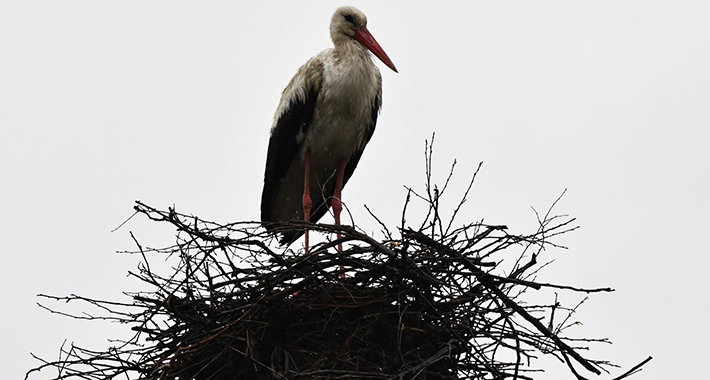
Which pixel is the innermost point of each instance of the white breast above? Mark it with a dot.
(344, 109)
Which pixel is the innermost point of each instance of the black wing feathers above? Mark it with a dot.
(283, 147)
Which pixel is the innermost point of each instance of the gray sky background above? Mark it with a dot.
(103, 103)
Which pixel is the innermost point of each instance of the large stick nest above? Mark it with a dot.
(434, 302)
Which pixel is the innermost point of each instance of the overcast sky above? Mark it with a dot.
(170, 102)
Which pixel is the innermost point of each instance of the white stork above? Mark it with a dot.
(326, 116)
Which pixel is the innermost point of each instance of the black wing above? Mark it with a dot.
(283, 147)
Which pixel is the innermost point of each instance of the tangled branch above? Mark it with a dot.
(435, 302)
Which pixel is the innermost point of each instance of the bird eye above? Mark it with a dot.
(349, 18)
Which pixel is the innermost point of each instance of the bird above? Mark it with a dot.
(325, 118)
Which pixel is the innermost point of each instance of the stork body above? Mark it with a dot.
(326, 117)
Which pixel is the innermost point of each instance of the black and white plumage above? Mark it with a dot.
(326, 117)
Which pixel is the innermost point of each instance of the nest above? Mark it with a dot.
(434, 302)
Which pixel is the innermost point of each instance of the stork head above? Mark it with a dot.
(349, 23)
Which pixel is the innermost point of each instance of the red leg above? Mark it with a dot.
(337, 203)
(307, 203)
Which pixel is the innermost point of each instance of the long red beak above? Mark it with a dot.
(363, 36)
